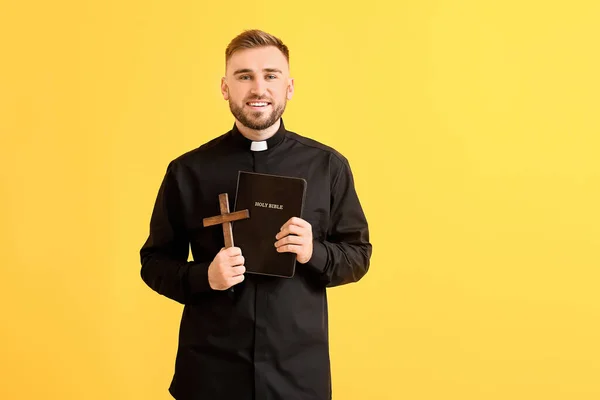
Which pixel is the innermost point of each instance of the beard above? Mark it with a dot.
(257, 120)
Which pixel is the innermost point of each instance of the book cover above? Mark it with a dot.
(271, 201)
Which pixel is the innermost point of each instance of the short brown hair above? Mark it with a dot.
(250, 39)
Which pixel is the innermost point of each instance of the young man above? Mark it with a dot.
(270, 339)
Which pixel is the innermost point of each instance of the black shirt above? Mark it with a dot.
(268, 339)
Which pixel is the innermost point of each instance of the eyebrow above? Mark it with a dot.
(247, 70)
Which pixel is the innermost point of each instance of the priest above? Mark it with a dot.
(245, 336)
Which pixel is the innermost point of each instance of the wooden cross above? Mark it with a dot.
(226, 218)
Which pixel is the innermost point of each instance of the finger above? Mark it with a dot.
(233, 251)
(291, 229)
(289, 240)
(287, 223)
(290, 248)
(236, 279)
(295, 221)
(299, 222)
(237, 260)
(239, 270)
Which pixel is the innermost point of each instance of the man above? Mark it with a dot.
(268, 339)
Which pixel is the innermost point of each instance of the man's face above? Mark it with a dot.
(257, 86)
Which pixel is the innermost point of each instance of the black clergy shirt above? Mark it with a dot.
(267, 339)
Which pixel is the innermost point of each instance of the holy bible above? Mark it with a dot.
(271, 201)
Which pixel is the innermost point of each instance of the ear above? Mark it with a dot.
(224, 89)
(290, 88)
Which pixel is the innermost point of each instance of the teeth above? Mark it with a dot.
(258, 104)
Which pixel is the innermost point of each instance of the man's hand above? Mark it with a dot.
(227, 269)
(296, 237)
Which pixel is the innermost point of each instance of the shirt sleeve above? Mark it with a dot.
(164, 255)
(344, 256)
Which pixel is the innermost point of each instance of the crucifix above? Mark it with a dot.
(226, 218)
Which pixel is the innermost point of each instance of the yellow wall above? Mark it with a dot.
(471, 126)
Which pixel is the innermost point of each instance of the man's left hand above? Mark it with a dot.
(296, 237)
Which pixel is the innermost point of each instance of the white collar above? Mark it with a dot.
(259, 146)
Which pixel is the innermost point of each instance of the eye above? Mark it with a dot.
(271, 76)
(244, 77)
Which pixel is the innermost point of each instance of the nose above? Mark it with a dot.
(259, 87)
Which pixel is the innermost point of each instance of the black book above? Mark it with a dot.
(271, 201)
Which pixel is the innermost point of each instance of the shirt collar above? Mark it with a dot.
(241, 141)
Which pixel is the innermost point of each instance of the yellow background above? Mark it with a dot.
(471, 127)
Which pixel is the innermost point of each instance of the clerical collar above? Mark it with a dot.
(271, 142)
(259, 146)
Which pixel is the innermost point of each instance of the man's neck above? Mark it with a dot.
(256, 135)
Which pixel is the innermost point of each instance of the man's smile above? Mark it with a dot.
(258, 105)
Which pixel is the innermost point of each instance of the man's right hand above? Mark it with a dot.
(227, 269)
